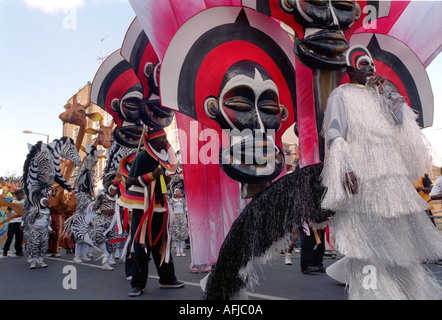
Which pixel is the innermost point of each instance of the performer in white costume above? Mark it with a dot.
(375, 151)
(180, 231)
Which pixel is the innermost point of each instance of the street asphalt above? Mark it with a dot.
(65, 280)
(65, 288)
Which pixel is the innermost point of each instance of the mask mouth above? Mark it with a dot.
(252, 159)
(128, 135)
(369, 72)
(324, 49)
(153, 114)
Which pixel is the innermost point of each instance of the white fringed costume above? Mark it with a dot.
(383, 228)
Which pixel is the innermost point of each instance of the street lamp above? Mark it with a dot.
(41, 134)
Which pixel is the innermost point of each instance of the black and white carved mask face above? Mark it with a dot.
(323, 45)
(248, 106)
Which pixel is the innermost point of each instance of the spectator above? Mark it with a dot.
(14, 229)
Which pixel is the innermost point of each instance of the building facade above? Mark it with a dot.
(79, 132)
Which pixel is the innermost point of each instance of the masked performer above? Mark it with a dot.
(375, 151)
(180, 231)
(38, 175)
(36, 223)
(104, 222)
(150, 216)
(79, 224)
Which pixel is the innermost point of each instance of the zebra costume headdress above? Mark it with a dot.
(42, 164)
(40, 193)
(76, 224)
(38, 171)
(63, 148)
(85, 179)
(116, 153)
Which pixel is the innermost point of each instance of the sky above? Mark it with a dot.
(49, 49)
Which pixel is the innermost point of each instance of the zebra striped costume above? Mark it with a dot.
(37, 170)
(36, 234)
(36, 227)
(105, 223)
(89, 226)
(43, 165)
(85, 179)
(38, 175)
(40, 171)
(116, 153)
(63, 148)
(78, 223)
(107, 202)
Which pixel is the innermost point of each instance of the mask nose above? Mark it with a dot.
(333, 23)
(257, 122)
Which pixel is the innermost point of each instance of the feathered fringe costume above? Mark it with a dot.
(383, 228)
(262, 225)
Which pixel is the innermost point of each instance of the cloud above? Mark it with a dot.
(55, 6)
(8, 132)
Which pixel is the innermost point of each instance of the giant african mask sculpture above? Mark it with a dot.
(324, 23)
(248, 106)
(235, 74)
(245, 239)
(117, 90)
(138, 51)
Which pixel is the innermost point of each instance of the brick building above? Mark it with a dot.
(76, 132)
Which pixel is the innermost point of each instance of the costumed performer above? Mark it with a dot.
(375, 150)
(105, 208)
(38, 176)
(150, 213)
(180, 231)
(36, 224)
(80, 223)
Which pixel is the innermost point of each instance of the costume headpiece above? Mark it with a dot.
(117, 90)
(126, 162)
(358, 54)
(204, 49)
(115, 79)
(138, 51)
(155, 133)
(403, 69)
(165, 157)
(209, 59)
